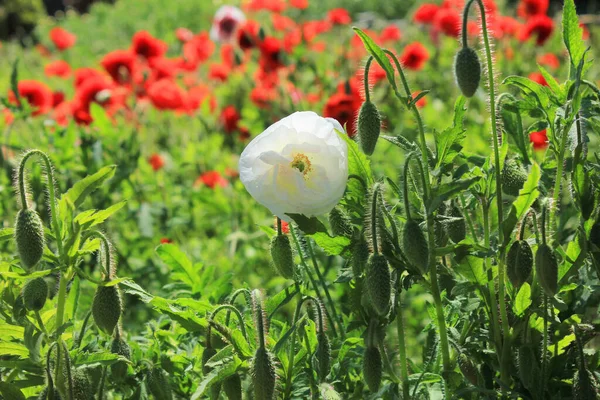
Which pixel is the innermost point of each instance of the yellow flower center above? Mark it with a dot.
(301, 163)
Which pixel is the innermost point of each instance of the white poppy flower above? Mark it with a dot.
(225, 24)
(298, 165)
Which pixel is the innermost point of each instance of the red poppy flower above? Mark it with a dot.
(38, 95)
(228, 55)
(539, 139)
(248, 35)
(282, 23)
(299, 4)
(211, 179)
(390, 33)
(230, 119)
(529, 8)
(312, 29)
(156, 161)
(62, 113)
(506, 26)
(166, 95)
(120, 65)
(184, 35)
(414, 56)
(199, 49)
(344, 105)
(292, 39)
(94, 90)
(586, 31)
(163, 67)
(147, 46)
(549, 60)
(62, 38)
(426, 13)
(262, 96)
(422, 102)
(165, 241)
(538, 26)
(57, 98)
(339, 16)
(219, 72)
(197, 95)
(270, 54)
(448, 21)
(82, 74)
(59, 68)
(538, 78)
(285, 227)
(276, 6)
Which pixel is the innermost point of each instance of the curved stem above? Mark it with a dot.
(491, 287)
(374, 219)
(366, 79)
(106, 243)
(237, 313)
(41, 323)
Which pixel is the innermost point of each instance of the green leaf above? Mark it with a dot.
(178, 261)
(448, 142)
(331, 245)
(359, 165)
(14, 83)
(379, 56)
(553, 84)
(115, 281)
(13, 349)
(10, 391)
(572, 33)
(529, 87)
(272, 303)
(11, 331)
(216, 376)
(91, 218)
(27, 276)
(100, 119)
(80, 190)
(523, 300)
(94, 359)
(447, 190)
(471, 268)
(6, 234)
(527, 196)
(309, 226)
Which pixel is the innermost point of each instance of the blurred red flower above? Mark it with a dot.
(538, 26)
(537, 77)
(230, 119)
(59, 68)
(184, 35)
(414, 56)
(62, 38)
(426, 13)
(448, 21)
(94, 90)
(82, 74)
(339, 16)
(549, 60)
(198, 50)
(156, 161)
(390, 33)
(147, 46)
(539, 139)
(166, 95)
(219, 72)
(57, 98)
(120, 65)
(248, 35)
(299, 4)
(271, 54)
(211, 179)
(38, 95)
(165, 241)
(506, 26)
(345, 104)
(529, 8)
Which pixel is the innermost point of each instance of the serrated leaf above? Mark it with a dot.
(80, 190)
(553, 84)
(216, 376)
(523, 300)
(359, 165)
(572, 32)
(92, 218)
(530, 87)
(379, 56)
(448, 142)
(8, 331)
(10, 391)
(272, 303)
(178, 261)
(331, 245)
(26, 276)
(13, 349)
(92, 359)
(471, 268)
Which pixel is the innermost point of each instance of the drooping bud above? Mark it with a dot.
(107, 308)
(379, 283)
(513, 177)
(467, 71)
(35, 293)
(415, 246)
(519, 262)
(546, 268)
(369, 127)
(283, 258)
(121, 348)
(467, 368)
(232, 386)
(29, 236)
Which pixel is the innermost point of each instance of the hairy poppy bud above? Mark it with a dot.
(415, 246)
(323, 355)
(263, 375)
(29, 235)
(546, 267)
(35, 293)
(372, 368)
(121, 348)
(107, 308)
(379, 283)
(82, 388)
(340, 222)
(369, 127)
(158, 384)
(513, 177)
(283, 258)
(467, 71)
(519, 262)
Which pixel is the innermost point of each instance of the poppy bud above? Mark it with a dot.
(35, 293)
(467, 368)
(283, 258)
(583, 386)
(546, 267)
(369, 127)
(513, 177)
(379, 283)
(232, 386)
(340, 222)
(29, 235)
(519, 262)
(121, 348)
(158, 384)
(467, 71)
(263, 375)
(372, 368)
(107, 308)
(323, 355)
(415, 246)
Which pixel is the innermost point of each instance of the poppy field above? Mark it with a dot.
(281, 199)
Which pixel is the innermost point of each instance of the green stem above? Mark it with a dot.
(325, 289)
(60, 305)
(402, 349)
(101, 386)
(107, 267)
(468, 218)
(257, 300)
(366, 79)
(545, 341)
(491, 287)
(558, 181)
(374, 219)
(41, 323)
(235, 311)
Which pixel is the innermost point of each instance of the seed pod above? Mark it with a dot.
(468, 369)
(121, 348)
(513, 177)
(372, 368)
(35, 293)
(340, 222)
(369, 127)
(323, 355)
(546, 267)
(379, 283)
(519, 262)
(415, 246)
(29, 236)
(283, 258)
(232, 386)
(457, 229)
(158, 384)
(107, 308)
(584, 386)
(263, 375)
(467, 71)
